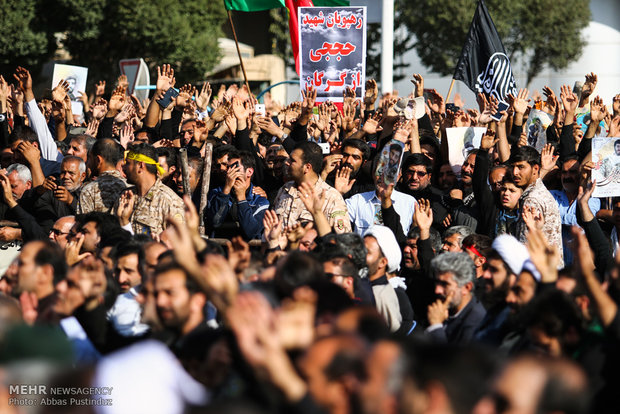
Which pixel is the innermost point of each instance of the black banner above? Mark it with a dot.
(484, 65)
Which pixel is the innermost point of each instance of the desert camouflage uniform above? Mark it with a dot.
(103, 193)
(289, 207)
(150, 212)
(540, 199)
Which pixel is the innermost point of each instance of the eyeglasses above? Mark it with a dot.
(58, 232)
(414, 173)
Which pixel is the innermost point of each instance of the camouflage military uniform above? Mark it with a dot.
(150, 212)
(103, 193)
(289, 207)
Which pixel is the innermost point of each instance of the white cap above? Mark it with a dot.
(513, 253)
(388, 245)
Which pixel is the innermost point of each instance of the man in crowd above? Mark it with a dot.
(304, 167)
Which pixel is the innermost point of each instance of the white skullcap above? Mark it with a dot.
(388, 244)
(513, 253)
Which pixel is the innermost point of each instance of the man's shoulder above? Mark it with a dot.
(404, 197)
(165, 193)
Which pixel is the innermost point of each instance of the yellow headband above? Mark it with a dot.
(147, 160)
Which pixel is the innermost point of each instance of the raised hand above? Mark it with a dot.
(165, 78)
(100, 108)
(203, 99)
(488, 140)
(122, 81)
(117, 100)
(519, 103)
(100, 89)
(312, 201)
(372, 124)
(589, 85)
(616, 105)
(532, 218)
(569, 99)
(7, 191)
(60, 91)
(72, 250)
(269, 126)
(23, 78)
(238, 254)
(184, 97)
(418, 81)
(545, 256)
(343, 183)
(547, 159)
(423, 215)
(125, 207)
(598, 111)
(308, 101)
(436, 102)
(370, 94)
(273, 228)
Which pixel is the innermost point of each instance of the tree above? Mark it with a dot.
(537, 32)
(183, 33)
(23, 41)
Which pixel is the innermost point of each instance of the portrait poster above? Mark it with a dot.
(460, 143)
(536, 126)
(76, 76)
(332, 50)
(606, 171)
(389, 162)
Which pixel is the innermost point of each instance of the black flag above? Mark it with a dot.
(484, 65)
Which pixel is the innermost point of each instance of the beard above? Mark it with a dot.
(496, 295)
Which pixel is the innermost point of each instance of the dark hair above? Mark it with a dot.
(85, 140)
(164, 266)
(265, 140)
(358, 144)
(312, 154)
(108, 149)
(435, 237)
(51, 254)
(247, 159)
(23, 133)
(527, 154)
(149, 151)
(107, 225)
(554, 312)
(297, 269)
(220, 150)
(352, 244)
(169, 153)
(494, 255)
(127, 248)
(465, 373)
(417, 159)
(481, 242)
(575, 157)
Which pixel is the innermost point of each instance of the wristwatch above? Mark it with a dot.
(2, 117)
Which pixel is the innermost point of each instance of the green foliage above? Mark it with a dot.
(22, 41)
(180, 32)
(99, 33)
(280, 37)
(538, 32)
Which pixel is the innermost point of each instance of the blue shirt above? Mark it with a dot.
(250, 212)
(365, 210)
(568, 216)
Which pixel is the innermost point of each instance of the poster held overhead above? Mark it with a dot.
(76, 77)
(332, 50)
(606, 172)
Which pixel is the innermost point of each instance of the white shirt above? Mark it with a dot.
(364, 210)
(126, 315)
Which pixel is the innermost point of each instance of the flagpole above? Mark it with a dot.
(450, 91)
(232, 26)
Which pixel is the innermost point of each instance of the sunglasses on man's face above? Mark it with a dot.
(58, 232)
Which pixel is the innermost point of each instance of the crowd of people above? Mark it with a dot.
(197, 256)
